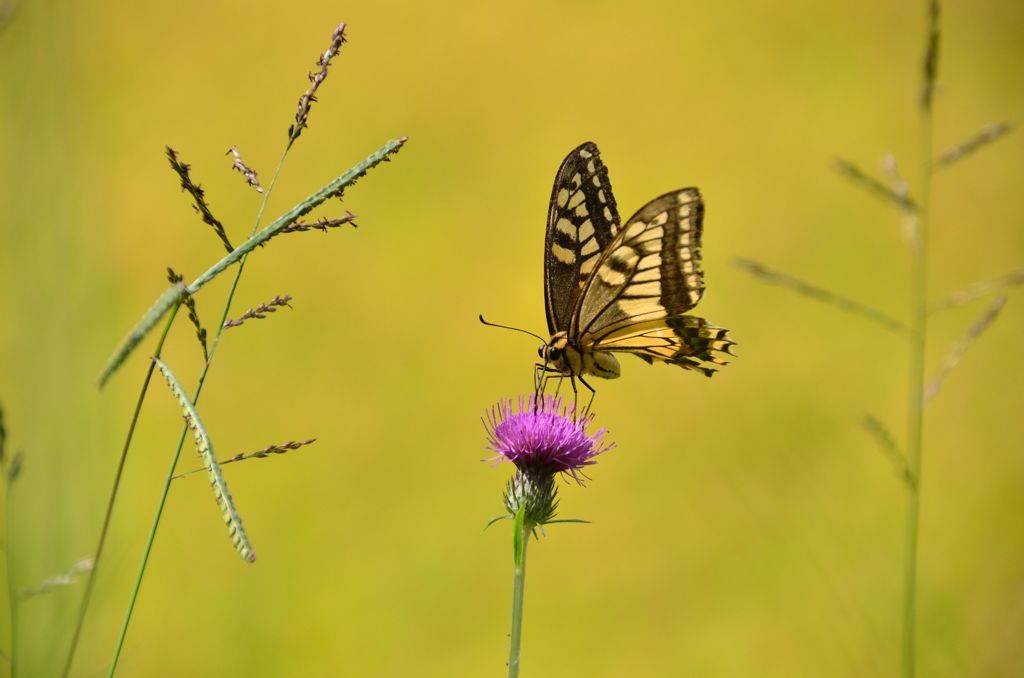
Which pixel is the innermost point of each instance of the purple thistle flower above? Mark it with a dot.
(543, 439)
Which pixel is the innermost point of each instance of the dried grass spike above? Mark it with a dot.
(14, 466)
(309, 96)
(897, 183)
(199, 203)
(283, 448)
(247, 172)
(957, 353)
(988, 134)
(931, 56)
(888, 444)
(800, 287)
(322, 224)
(900, 188)
(3, 436)
(193, 315)
(866, 181)
(382, 155)
(66, 578)
(204, 447)
(258, 454)
(260, 312)
(980, 289)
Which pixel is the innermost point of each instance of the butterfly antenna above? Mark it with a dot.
(507, 327)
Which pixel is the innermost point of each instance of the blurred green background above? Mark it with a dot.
(745, 525)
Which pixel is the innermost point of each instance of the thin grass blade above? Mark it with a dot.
(205, 448)
(163, 304)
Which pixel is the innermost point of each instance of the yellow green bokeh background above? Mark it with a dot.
(745, 525)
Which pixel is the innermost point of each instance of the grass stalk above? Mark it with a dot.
(916, 376)
(91, 579)
(151, 538)
(12, 593)
(915, 439)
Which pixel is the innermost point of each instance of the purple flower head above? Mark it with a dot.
(542, 439)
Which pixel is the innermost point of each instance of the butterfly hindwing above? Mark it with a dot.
(685, 340)
(651, 271)
(644, 284)
(582, 222)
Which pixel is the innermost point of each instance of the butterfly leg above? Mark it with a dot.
(539, 380)
(541, 375)
(575, 397)
(558, 386)
(586, 410)
(572, 382)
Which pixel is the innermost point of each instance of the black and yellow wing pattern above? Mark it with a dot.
(582, 222)
(611, 288)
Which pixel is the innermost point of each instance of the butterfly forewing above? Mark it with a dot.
(582, 223)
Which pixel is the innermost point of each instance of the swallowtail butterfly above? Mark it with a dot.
(611, 288)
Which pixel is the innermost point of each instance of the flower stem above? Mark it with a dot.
(90, 581)
(518, 586)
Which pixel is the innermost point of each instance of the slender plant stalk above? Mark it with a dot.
(184, 431)
(12, 595)
(915, 410)
(518, 587)
(919, 315)
(91, 579)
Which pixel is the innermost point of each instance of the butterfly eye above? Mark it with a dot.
(554, 353)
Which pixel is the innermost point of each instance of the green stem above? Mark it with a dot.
(91, 579)
(12, 595)
(184, 432)
(518, 587)
(915, 401)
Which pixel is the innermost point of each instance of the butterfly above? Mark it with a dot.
(611, 288)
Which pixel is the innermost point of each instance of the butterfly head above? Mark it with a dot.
(562, 357)
(556, 353)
